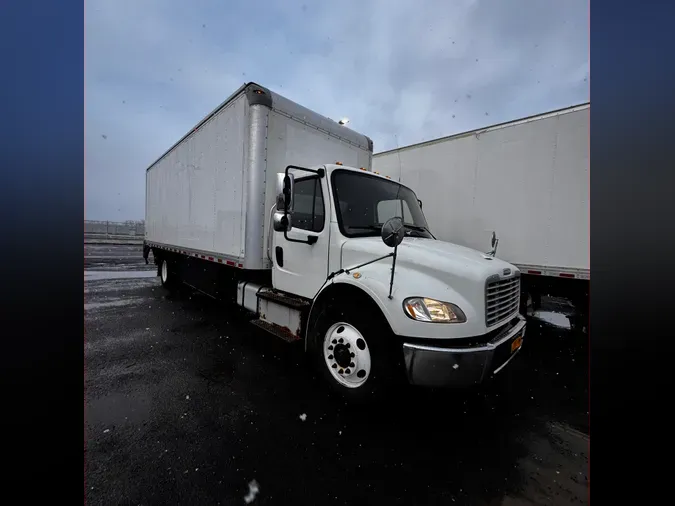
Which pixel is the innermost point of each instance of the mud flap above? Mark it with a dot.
(146, 253)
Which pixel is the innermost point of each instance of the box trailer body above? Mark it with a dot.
(212, 192)
(275, 208)
(526, 180)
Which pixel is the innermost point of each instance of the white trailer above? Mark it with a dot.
(526, 180)
(274, 207)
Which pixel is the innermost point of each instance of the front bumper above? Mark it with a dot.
(437, 366)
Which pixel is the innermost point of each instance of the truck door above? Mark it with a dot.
(301, 268)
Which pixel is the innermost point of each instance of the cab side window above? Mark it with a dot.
(308, 208)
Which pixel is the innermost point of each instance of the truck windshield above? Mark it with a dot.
(365, 202)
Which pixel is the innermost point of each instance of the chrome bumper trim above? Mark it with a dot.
(435, 366)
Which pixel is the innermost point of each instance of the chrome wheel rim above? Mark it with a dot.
(165, 271)
(347, 355)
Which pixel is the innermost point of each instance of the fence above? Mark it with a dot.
(114, 228)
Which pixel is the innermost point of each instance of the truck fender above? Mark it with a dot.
(339, 288)
(374, 285)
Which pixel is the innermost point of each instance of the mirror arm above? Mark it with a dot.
(310, 239)
(321, 172)
(393, 268)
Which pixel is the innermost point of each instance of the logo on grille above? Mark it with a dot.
(506, 272)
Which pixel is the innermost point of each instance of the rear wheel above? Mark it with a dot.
(166, 276)
(356, 355)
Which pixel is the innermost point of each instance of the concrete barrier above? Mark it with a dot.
(132, 228)
(131, 232)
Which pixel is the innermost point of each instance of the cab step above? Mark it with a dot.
(283, 332)
(284, 299)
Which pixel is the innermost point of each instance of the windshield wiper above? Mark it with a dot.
(420, 228)
(365, 227)
(417, 228)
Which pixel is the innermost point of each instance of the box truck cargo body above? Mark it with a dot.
(211, 193)
(526, 180)
(275, 208)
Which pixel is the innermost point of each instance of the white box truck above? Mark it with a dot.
(527, 181)
(275, 208)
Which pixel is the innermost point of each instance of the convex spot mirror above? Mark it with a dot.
(393, 231)
(281, 222)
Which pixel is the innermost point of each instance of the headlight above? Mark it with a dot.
(429, 310)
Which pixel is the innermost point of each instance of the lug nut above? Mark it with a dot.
(334, 366)
(341, 340)
(352, 355)
(330, 357)
(352, 364)
(349, 345)
(341, 371)
(334, 341)
(347, 371)
(330, 347)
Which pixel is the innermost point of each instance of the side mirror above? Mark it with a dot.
(393, 231)
(285, 192)
(494, 239)
(420, 203)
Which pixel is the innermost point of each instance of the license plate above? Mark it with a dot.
(517, 343)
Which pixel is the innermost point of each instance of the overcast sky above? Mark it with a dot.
(402, 71)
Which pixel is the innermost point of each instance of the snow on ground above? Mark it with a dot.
(557, 319)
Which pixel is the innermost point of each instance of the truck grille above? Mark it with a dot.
(502, 298)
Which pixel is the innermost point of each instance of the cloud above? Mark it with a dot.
(403, 72)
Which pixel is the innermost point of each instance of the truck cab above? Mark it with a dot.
(378, 297)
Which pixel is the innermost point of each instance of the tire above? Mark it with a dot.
(166, 276)
(356, 356)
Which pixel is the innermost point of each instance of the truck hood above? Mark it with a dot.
(442, 260)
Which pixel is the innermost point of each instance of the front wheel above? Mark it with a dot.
(356, 356)
(346, 354)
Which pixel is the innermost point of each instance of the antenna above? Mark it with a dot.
(398, 153)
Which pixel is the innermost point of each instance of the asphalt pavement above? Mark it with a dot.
(186, 402)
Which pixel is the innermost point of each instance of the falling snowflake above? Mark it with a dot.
(303, 417)
(253, 489)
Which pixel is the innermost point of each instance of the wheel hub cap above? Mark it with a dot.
(347, 355)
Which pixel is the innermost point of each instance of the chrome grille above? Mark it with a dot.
(502, 298)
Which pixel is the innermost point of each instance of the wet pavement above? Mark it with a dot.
(188, 403)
